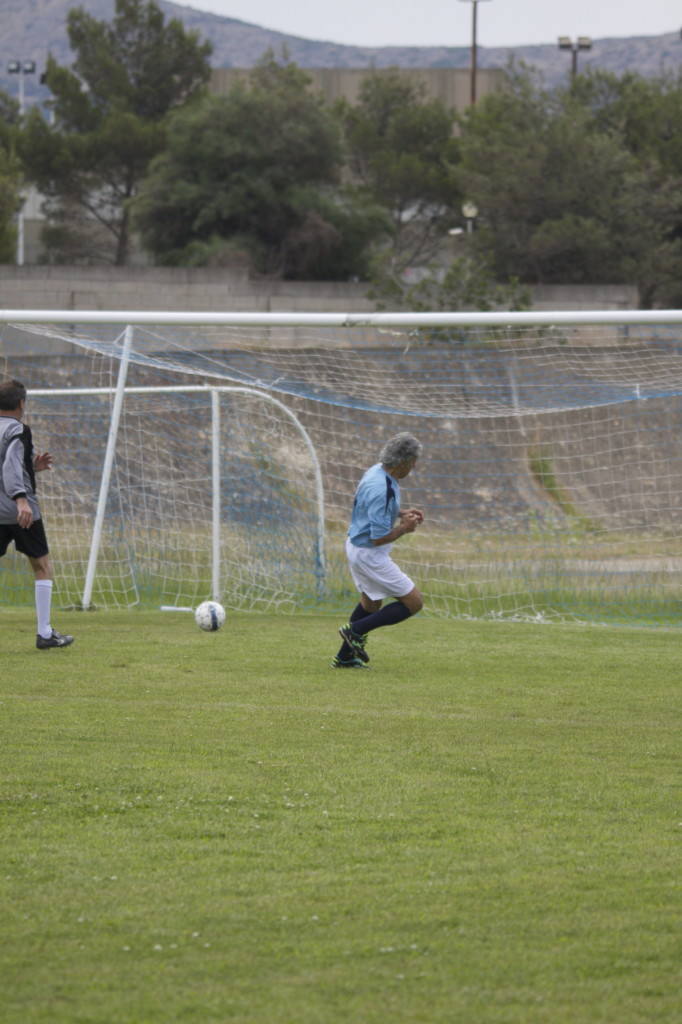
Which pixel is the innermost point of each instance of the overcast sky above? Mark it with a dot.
(449, 22)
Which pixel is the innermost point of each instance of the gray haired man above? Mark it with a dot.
(377, 521)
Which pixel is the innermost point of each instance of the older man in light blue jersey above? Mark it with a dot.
(377, 521)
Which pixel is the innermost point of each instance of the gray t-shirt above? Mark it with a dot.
(17, 476)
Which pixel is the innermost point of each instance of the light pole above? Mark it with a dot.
(474, 19)
(21, 68)
(470, 211)
(581, 43)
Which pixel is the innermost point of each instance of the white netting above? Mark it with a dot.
(551, 473)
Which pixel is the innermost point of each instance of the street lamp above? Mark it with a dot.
(581, 43)
(21, 68)
(475, 4)
(470, 211)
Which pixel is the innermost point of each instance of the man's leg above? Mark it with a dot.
(47, 637)
(42, 570)
(363, 608)
(390, 615)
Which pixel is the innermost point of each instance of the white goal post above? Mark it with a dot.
(202, 454)
(217, 582)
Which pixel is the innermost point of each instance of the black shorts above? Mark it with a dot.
(31, 542)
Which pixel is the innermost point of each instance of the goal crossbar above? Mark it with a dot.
(559, 318)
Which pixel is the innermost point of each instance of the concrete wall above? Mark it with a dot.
(549, 297)
(171, 289)
(220, 290)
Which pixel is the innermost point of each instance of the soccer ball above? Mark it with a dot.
(209, 616)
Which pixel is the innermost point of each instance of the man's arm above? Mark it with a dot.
(13, 480)
(409, 521)
(24, 513)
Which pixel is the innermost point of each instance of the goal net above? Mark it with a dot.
(219, 456)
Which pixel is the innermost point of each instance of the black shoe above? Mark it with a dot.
(56, 640)
(355, 641)
(353, 663)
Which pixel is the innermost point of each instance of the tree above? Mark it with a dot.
(402, 155)
(563, 196)
(465, 283)
(256, 170)
(10, 177)
(108, 123)
(645, 113)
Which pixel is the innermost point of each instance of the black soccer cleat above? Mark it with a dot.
(352, 663)
(355, 641)
(56, 640)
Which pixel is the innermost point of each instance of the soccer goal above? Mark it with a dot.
(207, 455)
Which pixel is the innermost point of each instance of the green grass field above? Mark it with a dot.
(483, 828)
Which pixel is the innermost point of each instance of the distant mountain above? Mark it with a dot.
(32, 28)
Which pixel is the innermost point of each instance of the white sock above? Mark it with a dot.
(43, 592)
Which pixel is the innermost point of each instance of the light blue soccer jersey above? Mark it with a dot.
(376, 507)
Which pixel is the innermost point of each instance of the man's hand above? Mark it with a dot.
(410, 519)
(43, 461)
(24, 514)
(412, 513)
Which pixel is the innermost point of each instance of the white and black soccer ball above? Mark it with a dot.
(209, 616)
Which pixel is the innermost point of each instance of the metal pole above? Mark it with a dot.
(20, 214)
(215, 482)
(341, 320)
(20, 235)
(473, 51)
(108, 465)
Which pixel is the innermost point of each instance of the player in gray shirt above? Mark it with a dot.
(20, 518)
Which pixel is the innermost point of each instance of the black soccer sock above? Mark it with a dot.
(389, 615)
(358, 613)
(345, 652)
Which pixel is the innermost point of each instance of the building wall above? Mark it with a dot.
(451, 85)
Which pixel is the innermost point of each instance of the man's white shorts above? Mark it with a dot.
(375, 573)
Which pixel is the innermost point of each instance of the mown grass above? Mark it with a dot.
(485, 827)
